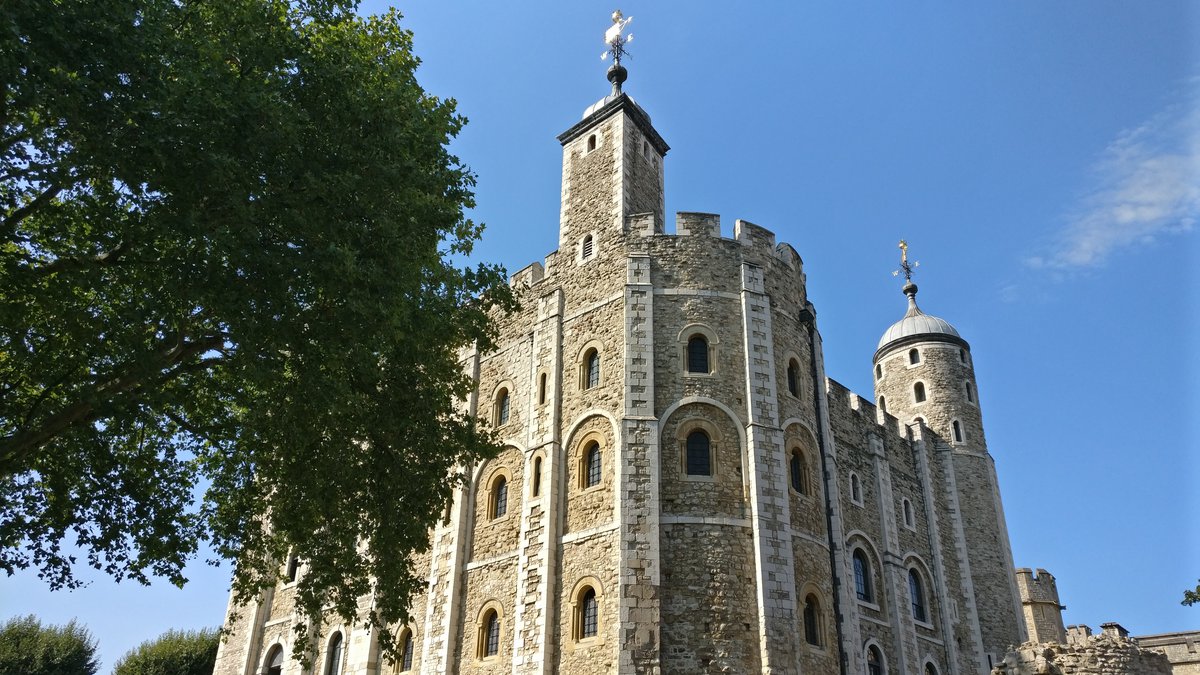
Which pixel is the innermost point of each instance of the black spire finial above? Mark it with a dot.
(910, 289)
(616, 46)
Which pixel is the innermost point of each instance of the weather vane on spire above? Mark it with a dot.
(905, 266)
(615, 40)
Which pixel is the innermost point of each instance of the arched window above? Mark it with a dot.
(970, 392)
(542, 389)
(855, 489)
(499, 497)
(878, 370)
(958, 434)
(697, 354)
(275, 661)
(587, 248)
(699, 454)
(502, 407)
(812, 625)
(591, 465)
(914, 356)
(406, 652)
(793, 377)
(930, 669)
(591, 369)
(908, 513)
(919, 392)
(874, 661)
(883, 404)
(333, 662)
(293, 568)
(799, 472)
(862, 577)
(537, 476)
(917, 592)
(489, 634)
(587, 614)
(591, 142)
(962, 356)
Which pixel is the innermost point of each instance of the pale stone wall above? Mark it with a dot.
(1182, 650)
(1040, 605)
(1099, 655)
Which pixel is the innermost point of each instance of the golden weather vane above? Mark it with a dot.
(905, 266)
(614, 39)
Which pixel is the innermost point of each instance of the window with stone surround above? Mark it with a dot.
(591, 466)
(798, 471)
(878, 370)
(883, 404)
(862, 577)
(502, 407)
(498, 497)
(591, 368)
(542, 380)
(587, 248)
(812, 621)
(591, 144)
(919, 392)
(907, 508)
(333, 658)
(969, 389)
(698, 349)
(697, 354)
(274, 661)
(405, 664)
(488, 632)
(957, 430)
(875, 665)
(916, 592)
(856, 495)
(293, 568)
(793, 377)
(930, 669)
(698, 454)
(914, 356)
(535, 482)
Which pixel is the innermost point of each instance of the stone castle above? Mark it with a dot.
(683, 489)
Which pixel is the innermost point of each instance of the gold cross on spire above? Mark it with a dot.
(905, 266)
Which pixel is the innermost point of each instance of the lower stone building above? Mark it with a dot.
(683, 489)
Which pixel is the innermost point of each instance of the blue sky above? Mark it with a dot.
(1042, 160)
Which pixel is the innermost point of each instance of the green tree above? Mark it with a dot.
(227, 293)
(1191, 597)
(29, 648)
(175, 652)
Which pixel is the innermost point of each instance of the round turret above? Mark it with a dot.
(917, 325)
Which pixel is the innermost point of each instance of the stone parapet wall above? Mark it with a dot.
(1098, 655)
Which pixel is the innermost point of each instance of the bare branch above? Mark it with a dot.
(11, 222)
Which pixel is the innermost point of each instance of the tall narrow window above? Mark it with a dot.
(908, 513)
(958, 434)
(883, 404)
(502, 407)
(293, 567)
(962, 356)
(697, 354)
(874, 661)
(855, 489)
(333, 662)
(914, 356)
(919, 392)
(862, 577)
(542, 389)
(799, 472)
(878, 371)
(275, 661)
(793, 377)
(970, 393)
(930, 669)
(406, 652)
(589, 611)
(588, 247)
(917, 592)
(591, 142)
(491, 634)
(591, 365)
(699, 457)
(499, 497)
(592, 466)
(537, 476)
(812, 626)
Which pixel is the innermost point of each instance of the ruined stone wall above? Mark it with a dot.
(1099, 655)
(1182, 650)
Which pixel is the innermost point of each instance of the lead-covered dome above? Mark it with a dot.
(916, 323)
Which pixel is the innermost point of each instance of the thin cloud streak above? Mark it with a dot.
(1148, 185)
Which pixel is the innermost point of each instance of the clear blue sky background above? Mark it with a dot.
(1041, 158)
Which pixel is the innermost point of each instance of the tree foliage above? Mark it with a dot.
(29, 648)
(175, 652)
(1191, 597)
(226, 294)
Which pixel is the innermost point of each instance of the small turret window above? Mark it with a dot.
(855, 489)
(878, 371)
(914, 356)
(591, 142)
(970, 392)
(962, 356)
(588, 248)
(793, 377)
(919, 392)
(958, 432)
(882, 404)
(908, 513)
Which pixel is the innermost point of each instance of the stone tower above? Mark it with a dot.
(1039, 602)
(924, 376)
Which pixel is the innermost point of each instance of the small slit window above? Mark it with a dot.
(699, 454)
(962, 357)
(499, 498)
(919, 392)
(799, 472)
(914, 356)
(855, 489)
(536, 488)
(542, 389)
(812, 625)
(908, 513)
(591, 369)
(591, 143)
(878, 371)
(970, 392)
(697, 354)
(883, 404)
(591, 465)
(931, 669)
(587, 248)
(503, 407)
(958, 432)
(793, 377)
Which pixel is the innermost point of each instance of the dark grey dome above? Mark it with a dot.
(916, 322)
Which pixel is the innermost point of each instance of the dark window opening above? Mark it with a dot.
(878, 371)
(812, 629)
(862, 577)
(799, 469)
(697, 354)
(699, 457)
(491, 633)
(406, 653)
(918, 596)
(914, 356)
(591, 142)
(333, 664)
(537, 476)
(499, 497)
(874, 661)
(542, 389)
(592, 466)
(275, 661)
(958, 434)
(919, 392)
(502, 407)
(591, 376)
(589, 614)
(793, 377)
(588, 247)
(293, 567)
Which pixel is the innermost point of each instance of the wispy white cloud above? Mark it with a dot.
(1148, 186)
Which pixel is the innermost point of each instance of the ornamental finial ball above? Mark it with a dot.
(617, 16)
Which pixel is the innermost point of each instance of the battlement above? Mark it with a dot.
(839, 396)
(1036, 586)
(528, 275)
(698, 224)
